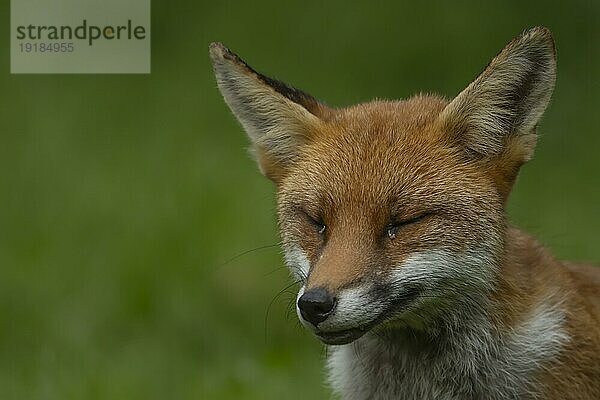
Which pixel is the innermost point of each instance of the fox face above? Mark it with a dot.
(391, 222)
(391, 213)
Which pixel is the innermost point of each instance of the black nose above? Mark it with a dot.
(316, 304)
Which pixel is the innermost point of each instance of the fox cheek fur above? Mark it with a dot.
(392, 218)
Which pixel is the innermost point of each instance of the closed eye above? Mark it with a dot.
(317, 222)
(393, 227)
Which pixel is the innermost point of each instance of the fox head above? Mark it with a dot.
(392, 212)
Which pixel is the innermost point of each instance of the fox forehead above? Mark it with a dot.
(387, 154)
(380, 124)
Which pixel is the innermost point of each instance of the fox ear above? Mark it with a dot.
(498, 112)
(278, 118)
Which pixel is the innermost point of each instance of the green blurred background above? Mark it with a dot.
(124, 198)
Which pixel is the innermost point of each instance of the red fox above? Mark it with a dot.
(392, 217)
